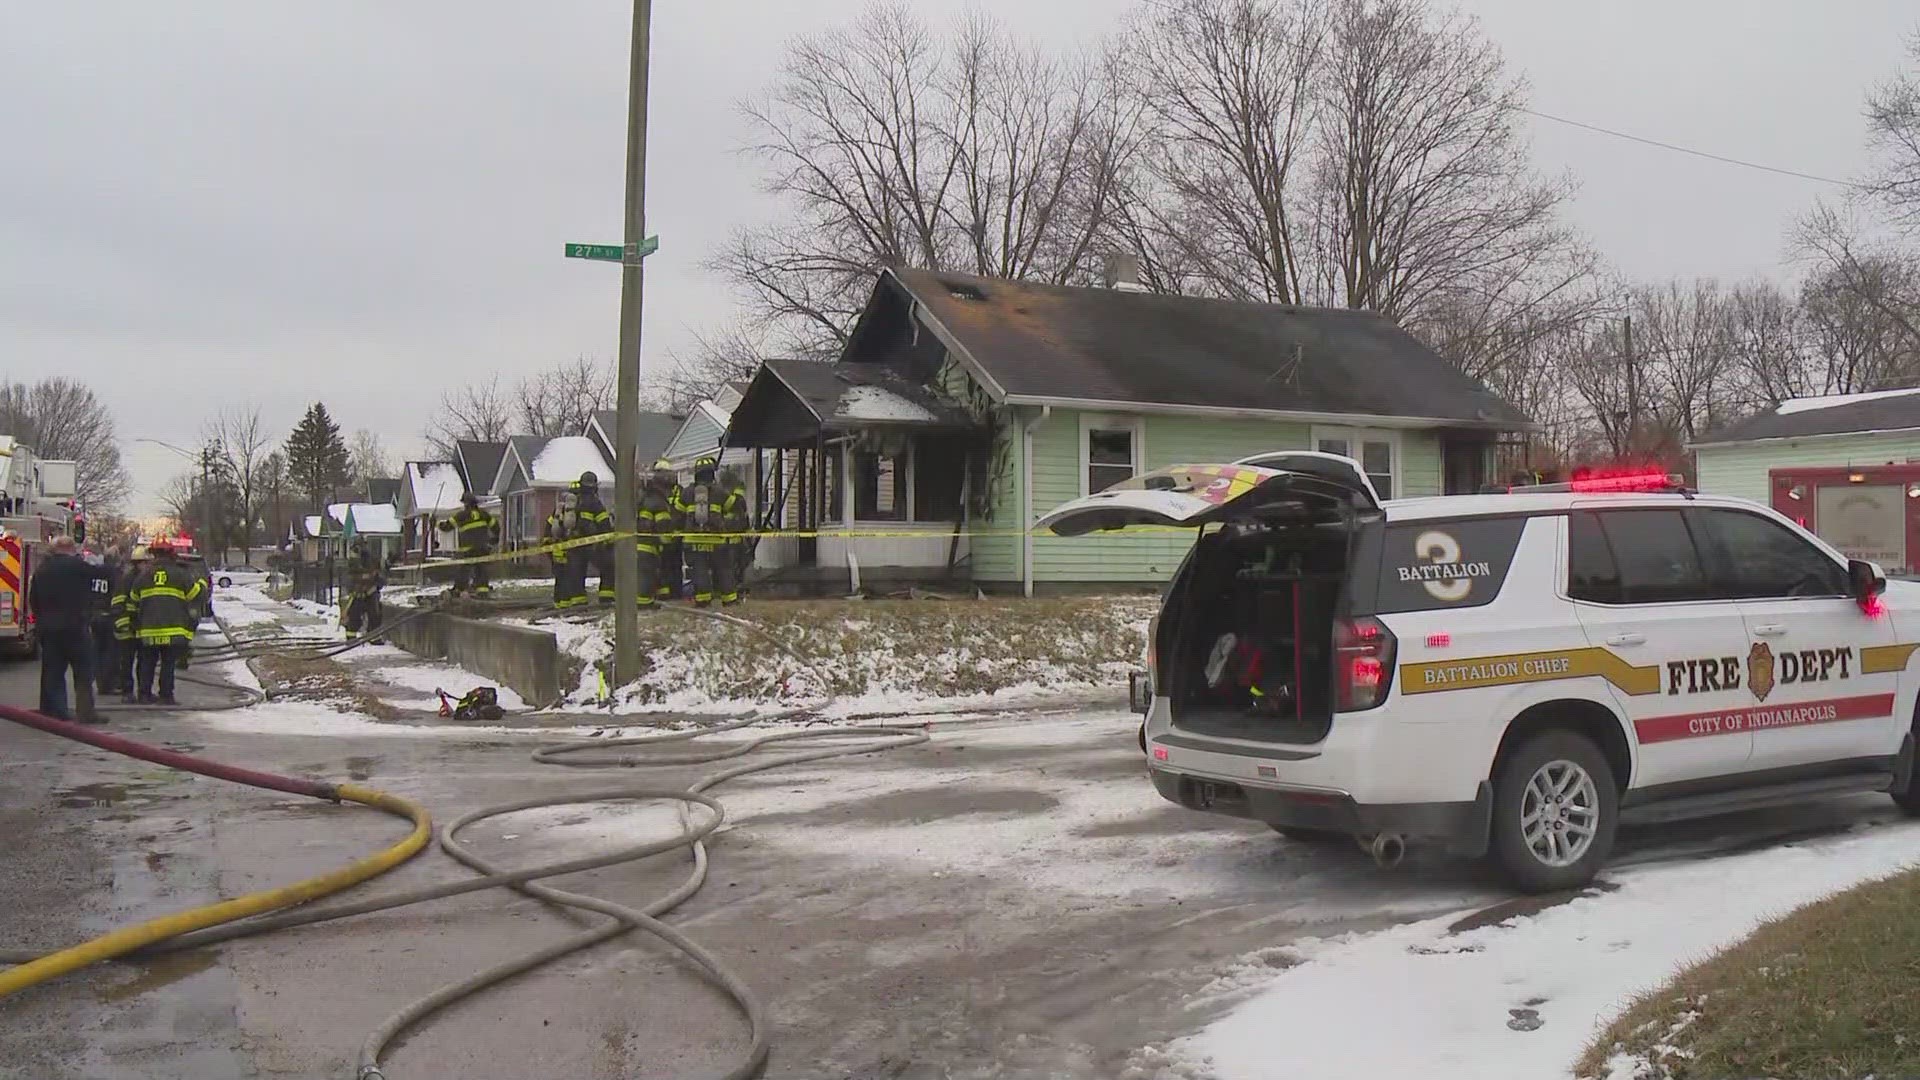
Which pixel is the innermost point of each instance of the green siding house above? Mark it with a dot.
(963, 408)
(1877, 428)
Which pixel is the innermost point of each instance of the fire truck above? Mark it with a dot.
(36, 505)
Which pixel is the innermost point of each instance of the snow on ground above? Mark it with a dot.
(243, 606)
(321, 719)
(1418, 1001)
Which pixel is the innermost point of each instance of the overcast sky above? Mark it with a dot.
(209, 202)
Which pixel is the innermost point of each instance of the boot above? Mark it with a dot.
(168, 699)
(130, 698)
(83, 710)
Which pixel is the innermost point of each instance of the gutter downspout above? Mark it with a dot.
(1026, 498)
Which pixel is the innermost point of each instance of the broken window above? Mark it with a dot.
(1110, 457)
(939, 473)
(880, 485)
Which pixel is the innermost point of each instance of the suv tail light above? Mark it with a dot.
(1362, 663)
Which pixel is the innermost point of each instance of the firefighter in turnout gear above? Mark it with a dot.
(569, 567)
(656, 519)
(672, 552)
(364, 582)
(475, 531)
(162, 597)
(736, 552)
(703, 510)
(125, 648)
(591, 518)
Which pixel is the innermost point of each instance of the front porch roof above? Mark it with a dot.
(796, 402)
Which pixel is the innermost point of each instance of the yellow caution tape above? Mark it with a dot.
(728, 538)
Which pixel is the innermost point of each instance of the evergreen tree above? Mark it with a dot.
(317, 456)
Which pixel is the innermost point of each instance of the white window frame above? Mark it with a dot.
(1136, 426)
(1354, 436)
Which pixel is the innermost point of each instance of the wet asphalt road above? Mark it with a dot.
(1008, 901)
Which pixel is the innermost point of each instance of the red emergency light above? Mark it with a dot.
(1603, 483)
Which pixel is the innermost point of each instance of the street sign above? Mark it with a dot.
(613, 252)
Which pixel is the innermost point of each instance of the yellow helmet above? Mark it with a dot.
(140, 553)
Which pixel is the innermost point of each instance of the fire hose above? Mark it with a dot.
(253, 914)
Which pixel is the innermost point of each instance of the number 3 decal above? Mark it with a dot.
(1438, 547)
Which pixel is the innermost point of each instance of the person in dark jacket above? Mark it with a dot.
(591, 518)
(672, 569)
(364, 582)
(710, 517)
(61, 600)
(656, 520)
(475, 531)
(106, 647)
(164, 617)
(125, 649)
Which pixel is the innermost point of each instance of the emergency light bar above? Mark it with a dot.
(1609, 485)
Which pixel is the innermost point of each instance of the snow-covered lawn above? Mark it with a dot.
(429, 677)
(1517, 1000)
(859, 658)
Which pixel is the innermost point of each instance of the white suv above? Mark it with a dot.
(1517, 673)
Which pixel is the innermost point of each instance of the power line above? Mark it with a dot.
(1688, 150)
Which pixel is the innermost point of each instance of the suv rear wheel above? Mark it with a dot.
(1555, 807)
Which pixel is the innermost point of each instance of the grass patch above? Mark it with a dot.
(324, 680)
(928, 648)
(1832, 989)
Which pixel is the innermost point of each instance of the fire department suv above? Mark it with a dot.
(1515, 674)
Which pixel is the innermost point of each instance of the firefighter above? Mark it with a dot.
(125, 650)
(162, 597)
(364, 582)
(672, 575)
(735, 553)
(475, 531)
(702, 510)
(569, 567)
(591, 518)
(60, 601)
(106, 614)
(650, 539)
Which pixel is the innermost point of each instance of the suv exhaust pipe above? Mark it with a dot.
(1387, 849)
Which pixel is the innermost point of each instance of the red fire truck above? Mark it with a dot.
(1869, 512)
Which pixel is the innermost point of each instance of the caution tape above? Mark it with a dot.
(729, 538)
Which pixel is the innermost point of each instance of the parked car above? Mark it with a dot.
(1508, 674)
(229, 576)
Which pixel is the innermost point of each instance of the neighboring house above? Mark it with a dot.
(310, 538)
(429, 494)
(384, 489)
(657, 430)
(1846, 466)
(700, 434)
(376, 525)
(965, 407)
(532, 474)
(477, 464)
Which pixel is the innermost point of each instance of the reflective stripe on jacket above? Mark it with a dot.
(162, 611)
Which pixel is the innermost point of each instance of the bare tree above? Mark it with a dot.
(891, 144)
(272, 492)
(1893, 121)
(731, 354)
(1230, 88)
(1766, 332)
(61, 419)
(367, 457)
(478, 412)
(180, 498)
(561, 399)
(1849, 310)
(241, 441)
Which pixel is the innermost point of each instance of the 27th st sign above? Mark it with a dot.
(614, 252)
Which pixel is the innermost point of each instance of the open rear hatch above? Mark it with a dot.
(1246, 644)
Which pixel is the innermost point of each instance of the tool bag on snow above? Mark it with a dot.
(481, 703)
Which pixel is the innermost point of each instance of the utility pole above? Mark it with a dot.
(1633, 394)
(206, 498)
(626, 563)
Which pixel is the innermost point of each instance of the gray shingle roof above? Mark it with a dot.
(1893, 412)
(1044, 342)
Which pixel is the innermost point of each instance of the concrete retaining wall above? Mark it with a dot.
(525, 659)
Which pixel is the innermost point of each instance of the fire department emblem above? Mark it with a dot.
(1760, 670)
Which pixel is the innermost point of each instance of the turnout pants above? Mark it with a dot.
(161, 658)
(106, 657)
(125, 652)
(713, 570)
(473, 576)
(569, 582)
(672, 573)
(600, 556)
(364, 614)
(63, 648)
(647, 592)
